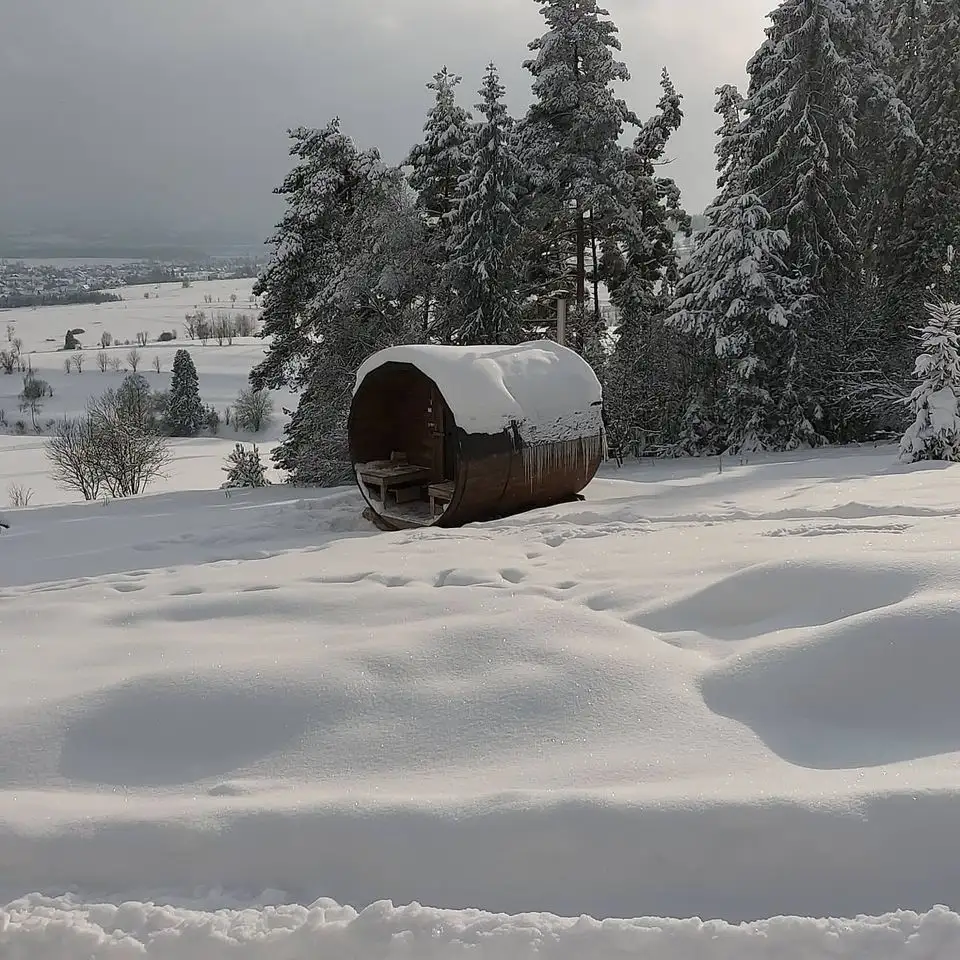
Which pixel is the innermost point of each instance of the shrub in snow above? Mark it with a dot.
(253, 410)
(244, 469)
(115, 446)
(20, 495)
(935, 431)
(185, 414)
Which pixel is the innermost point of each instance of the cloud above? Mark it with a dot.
(174, 114)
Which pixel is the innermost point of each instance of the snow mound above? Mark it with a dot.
(169, 729)
(875, 688)
(787, 594)
(51, 929)
(549, 391)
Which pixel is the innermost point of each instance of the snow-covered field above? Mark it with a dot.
(697, 694)
(222, 371)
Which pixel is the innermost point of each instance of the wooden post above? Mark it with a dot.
(561, 321)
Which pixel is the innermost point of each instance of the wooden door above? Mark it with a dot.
(435, 431)
(449, 445)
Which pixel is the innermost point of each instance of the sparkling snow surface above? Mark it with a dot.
(698, 693)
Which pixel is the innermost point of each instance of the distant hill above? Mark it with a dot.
(125, 246)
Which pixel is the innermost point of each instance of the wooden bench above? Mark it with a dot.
(439, 493)
(394, 477)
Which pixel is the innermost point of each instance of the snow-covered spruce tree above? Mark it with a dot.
(347, 278)
(885, 130)
(321, 192)
(737, 297)
(443, 157)
(801, 151)
(375, 301)
(650, 372)
(571, 144)
(184, 416)
(935, 431)
(887, 136)
(244, 468)
(802, 120)
(931, 200)
(903, 23)
(482, 273)
(438, 165)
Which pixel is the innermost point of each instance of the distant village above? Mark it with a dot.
(45, 283)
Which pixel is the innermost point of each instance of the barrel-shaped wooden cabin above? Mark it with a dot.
(443, 435)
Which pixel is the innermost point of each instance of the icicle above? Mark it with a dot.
(563, 457)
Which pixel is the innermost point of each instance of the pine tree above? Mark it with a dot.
(439, 164)
(442, 159)
(935, 431)
(348, 277)
(244, 468)
(373, 300)
(823, 125)
(184, 416)
(904, 22)
(483, 271)
(738, 297)
(801, 156)
(571, 137)
(731, 143)
(640, 262)
(931, 201)
(885, 131)
(648, 377)
(321, 193)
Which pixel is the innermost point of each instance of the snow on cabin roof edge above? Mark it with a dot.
(539, 384)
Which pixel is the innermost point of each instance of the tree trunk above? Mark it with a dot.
(581, 276)
(595, 277)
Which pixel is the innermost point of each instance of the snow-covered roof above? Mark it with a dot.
(548, 390)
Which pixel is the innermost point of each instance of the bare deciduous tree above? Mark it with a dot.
(103, 361)
(156, 362)
(77, 360)
(244, 325)
(131, 453)
(133, 359)
(252, 410)
(113, 446)
(74, 458)
(143, 338)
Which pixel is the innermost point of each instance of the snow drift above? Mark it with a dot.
(42, 929)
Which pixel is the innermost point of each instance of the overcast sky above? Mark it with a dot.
(173, 112)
